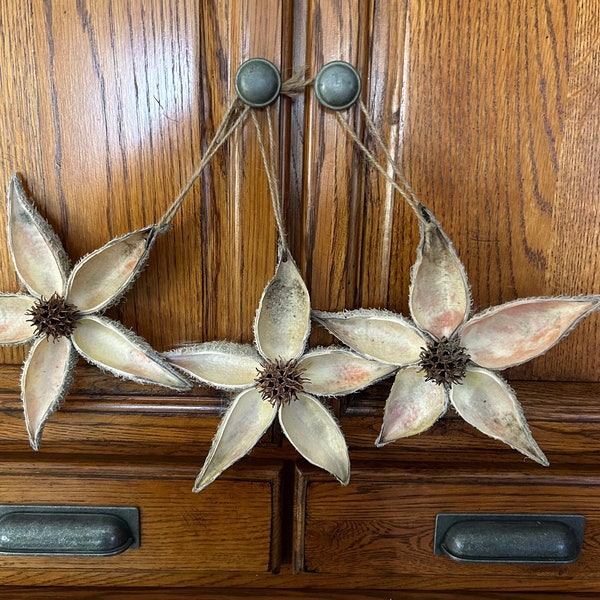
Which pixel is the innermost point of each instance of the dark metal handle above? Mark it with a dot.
(510, 538)
(67, 530)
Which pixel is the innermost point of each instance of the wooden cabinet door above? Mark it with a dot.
(490, 109)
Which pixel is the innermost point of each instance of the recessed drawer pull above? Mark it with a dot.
(67, 530)
(509, 538)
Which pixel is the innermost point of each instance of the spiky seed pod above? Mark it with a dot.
(444, 361)
(279, 382)
(53, 317)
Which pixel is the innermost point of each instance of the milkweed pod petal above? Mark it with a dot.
(485, 401)
(39, 258)
(15, 327)
(282, 321)
(46, 377)
(413, 406)
(378, 334)
(439, 297)
(313, 431)
(224, 365)
(108, 345)
(99, 279)
(515, 332)
(240, 429)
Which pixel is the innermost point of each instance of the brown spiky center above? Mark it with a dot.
(279, 382)
(444, 361)
(53, 317)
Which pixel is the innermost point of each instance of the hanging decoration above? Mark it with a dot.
(445, 356)
(278, 376)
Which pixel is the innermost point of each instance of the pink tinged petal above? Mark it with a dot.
(335, 371)
(45, 381)
(413, 406)
(439, 296)
(99, 279)
(377, 334)
(242, 426)
(14, 325)
(313, 431)
(108, 345)
(224, 365)
(516, 332)
(38, 255)
(486, 402)
(282, 322)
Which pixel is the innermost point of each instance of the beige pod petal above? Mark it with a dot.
(108, 345)
(15, 327)
(378, 334)
(335, 371)
(225, 365)
(485, 401)
(282, 321)
(515, 332)
(439, 297)
(99, 279)
(313, 431)
(244, 423)
(413, 406)
(45, 380)
(39, 258)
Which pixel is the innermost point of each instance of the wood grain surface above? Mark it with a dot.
(491, 110)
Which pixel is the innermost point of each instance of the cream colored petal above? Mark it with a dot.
(335, 371)
(282, 321)
(14, 325)
(516, 332)
(377, 334)
(38, 255)
(225, 365)
(486, 402)
(45, 381)
(413, 406)
(108, 345)
(439, 297)
(242, 426)
(313, 431)
(99, 279)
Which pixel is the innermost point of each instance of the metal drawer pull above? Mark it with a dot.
(509, 538)
(68, 530)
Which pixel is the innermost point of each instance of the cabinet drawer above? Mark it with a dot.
(232, 526)
(382, 524)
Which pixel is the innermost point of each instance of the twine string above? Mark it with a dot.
(403, 187)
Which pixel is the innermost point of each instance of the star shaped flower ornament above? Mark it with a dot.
(280, 378)
(445, 357)
(60, 311)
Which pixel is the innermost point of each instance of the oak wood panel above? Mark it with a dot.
(383, 525)
(180, 531)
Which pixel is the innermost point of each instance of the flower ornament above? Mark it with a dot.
(60, 312)
(446, 357)
(278, 377)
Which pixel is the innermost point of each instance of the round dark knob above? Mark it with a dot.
(258, 82)
(337, 85)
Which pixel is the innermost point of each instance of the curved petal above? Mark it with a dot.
(244, 423)
(439, 297)
(314, 433)
(108, 345)
(413, 406)
(515, 332)
(99, 279)
(336, 371)
(282, 321)
(377, 334)
(39, 258)
(45, 380)
(485, 401)
(224, 365)
(15, 327)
